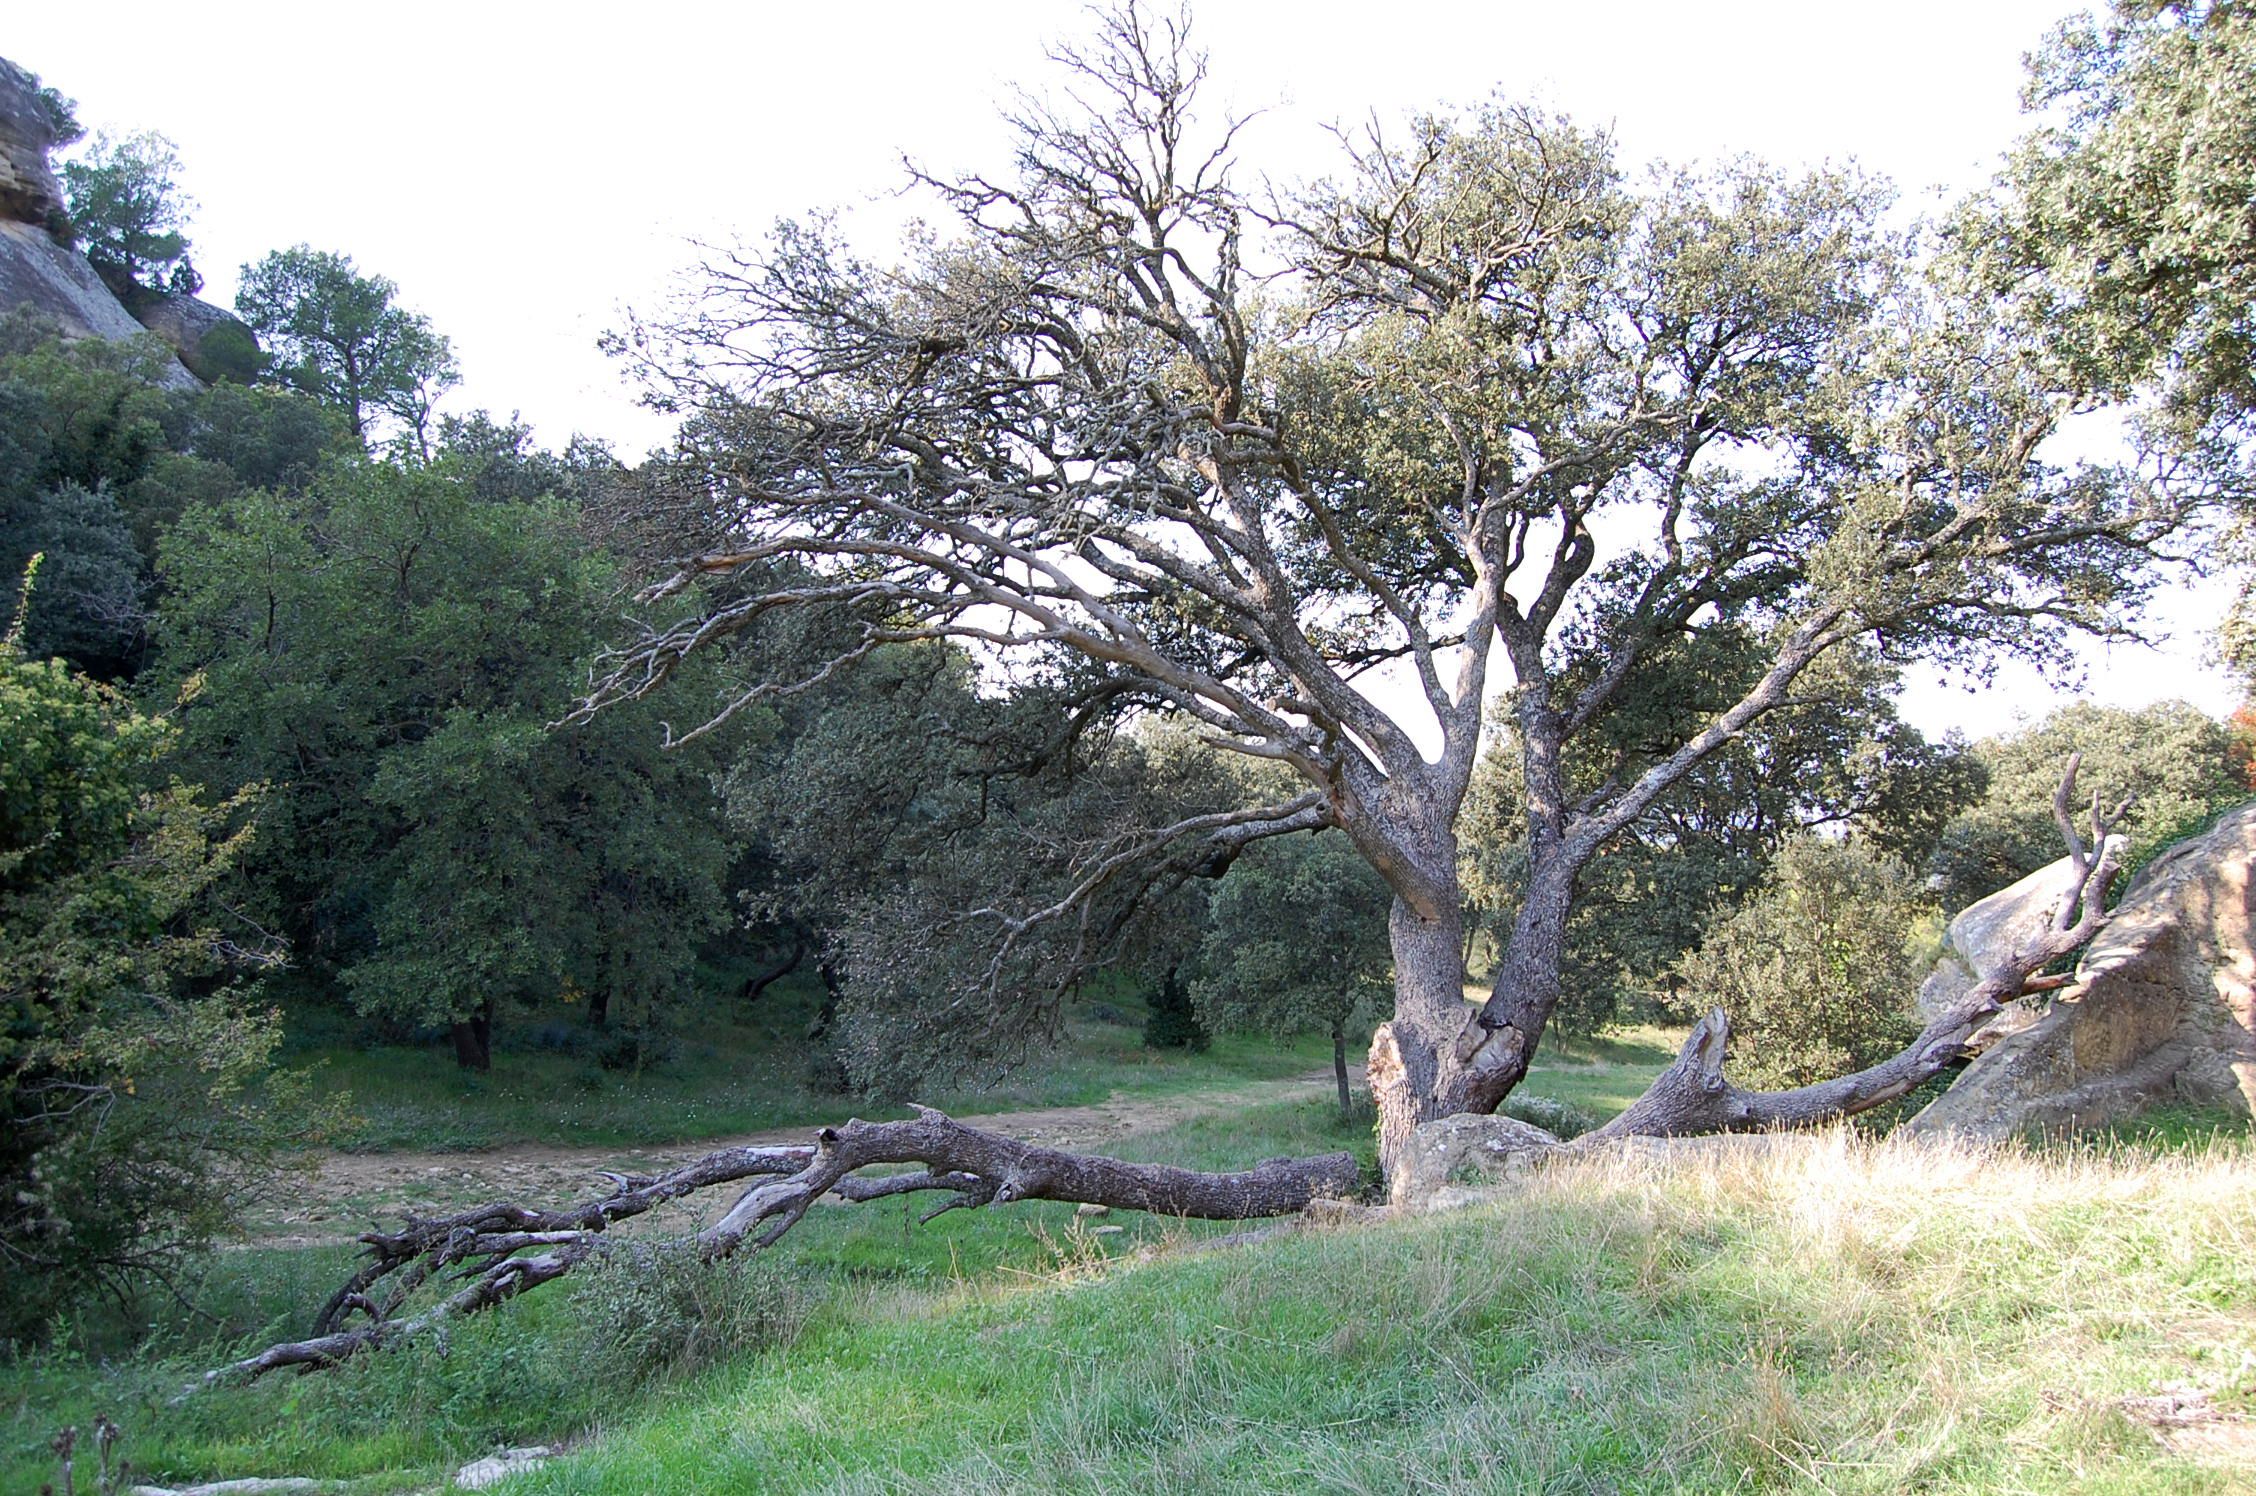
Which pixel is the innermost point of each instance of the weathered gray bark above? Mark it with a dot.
(985, 1168)
(1413, 1064)
(505, 1249)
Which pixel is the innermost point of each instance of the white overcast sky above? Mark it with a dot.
(524, 172)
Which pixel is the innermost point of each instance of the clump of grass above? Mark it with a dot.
(649, 1307)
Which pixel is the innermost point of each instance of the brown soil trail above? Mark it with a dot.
(346, 1193)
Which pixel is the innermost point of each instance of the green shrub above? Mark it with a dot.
(1173, 1022)
(650, 1307)
(138, 1107)
(1818, 968)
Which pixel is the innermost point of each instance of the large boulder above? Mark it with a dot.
(213, 342)
(2162, 1008)
(58, 288)
(1463, 1154)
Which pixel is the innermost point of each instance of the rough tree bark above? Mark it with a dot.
(504, 1249)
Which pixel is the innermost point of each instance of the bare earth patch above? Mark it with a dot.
(2189, 1423)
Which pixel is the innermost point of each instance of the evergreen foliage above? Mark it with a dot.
(385, 649)
(340, 336)
(131, 214)
(1172, 1018)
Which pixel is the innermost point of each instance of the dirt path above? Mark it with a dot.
(349, 1192)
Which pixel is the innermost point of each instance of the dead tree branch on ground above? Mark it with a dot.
(505, 1249)
(1694, 1096)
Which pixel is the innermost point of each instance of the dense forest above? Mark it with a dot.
(993, 645)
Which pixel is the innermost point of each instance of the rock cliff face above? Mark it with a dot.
(43, 274)
(29, 192)
(2162, 1008)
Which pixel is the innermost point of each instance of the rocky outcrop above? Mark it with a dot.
(29, 192)
(2162, 1007)
(58, 286)
(42, 274)
(213, 343)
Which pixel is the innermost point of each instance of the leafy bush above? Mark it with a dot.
(657, 1306)
(138, 1109)
(1817, 969)
(1173, 1022)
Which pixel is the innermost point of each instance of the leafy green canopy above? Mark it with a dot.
(131, 215)
(1838, 758)
(96, 458)
(2136, 197)
(2127, 225)
(341, 337)
(1296, 940)
(384, 649)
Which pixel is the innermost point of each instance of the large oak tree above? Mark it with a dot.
(1481, 408)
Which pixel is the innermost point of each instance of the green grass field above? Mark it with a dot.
(1860, 1317)
(742, 1068)
(1857, 1316)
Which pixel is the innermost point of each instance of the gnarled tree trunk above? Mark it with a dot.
(1414, 1074)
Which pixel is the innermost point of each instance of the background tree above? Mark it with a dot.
(131, 216)
(87, 607)
(1296, 940)
(341, 337)
(1817, 968)
(2126, 222)
(1069, 426)
(877, 801)
(97, 457)
(384, 649)
(2135, 200)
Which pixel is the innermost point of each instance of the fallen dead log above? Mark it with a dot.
(504, 1249)
(1694, 1095)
